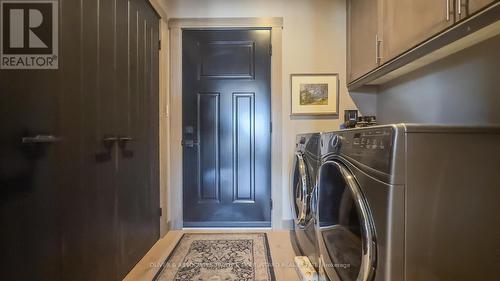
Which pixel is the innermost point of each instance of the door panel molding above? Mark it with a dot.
(176, 26)
(208, 192)
(240, 186)
(215, 52)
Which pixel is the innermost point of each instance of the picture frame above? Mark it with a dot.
(314, 94)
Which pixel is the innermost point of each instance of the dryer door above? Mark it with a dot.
(300, 191)
(344, 226)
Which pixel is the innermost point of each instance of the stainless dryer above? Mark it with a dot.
(305, 167)
(409, 202)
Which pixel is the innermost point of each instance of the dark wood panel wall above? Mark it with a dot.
(91, 209)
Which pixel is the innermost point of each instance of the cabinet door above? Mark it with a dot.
(407, 23)
(362, 37)
(466, 8)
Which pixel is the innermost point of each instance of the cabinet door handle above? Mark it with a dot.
(377, 50)
(459, 6)
(447, 10)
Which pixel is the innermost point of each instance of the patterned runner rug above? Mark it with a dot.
(219, 257)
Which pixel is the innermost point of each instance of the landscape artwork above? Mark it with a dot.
(313, 94)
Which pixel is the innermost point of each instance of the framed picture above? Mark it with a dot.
(315, 94)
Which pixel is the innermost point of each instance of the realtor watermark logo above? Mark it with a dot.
(29, 34)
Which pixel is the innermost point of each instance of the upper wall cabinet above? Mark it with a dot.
(388, 38)
(363, 37)
(407, 23)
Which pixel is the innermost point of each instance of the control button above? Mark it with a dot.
(381, 145)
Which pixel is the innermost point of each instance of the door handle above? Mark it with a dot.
(190, 143)
(40, 139)
(125, 139)
(122, 142)
(108, 142)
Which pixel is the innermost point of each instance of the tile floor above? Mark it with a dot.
(279, 242)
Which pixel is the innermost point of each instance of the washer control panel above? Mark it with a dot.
(372, 140)
(371, 146)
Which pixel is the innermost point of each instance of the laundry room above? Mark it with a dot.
(255, 140)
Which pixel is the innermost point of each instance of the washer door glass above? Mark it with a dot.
(301, 190)
(345, 227)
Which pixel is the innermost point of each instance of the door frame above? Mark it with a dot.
(163, 117)
(176, 26)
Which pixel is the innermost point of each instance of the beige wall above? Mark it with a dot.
(314, 41)
(460, 89)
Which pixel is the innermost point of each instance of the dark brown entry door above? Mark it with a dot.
(226, 128)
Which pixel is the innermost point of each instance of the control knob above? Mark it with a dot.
(336, 142)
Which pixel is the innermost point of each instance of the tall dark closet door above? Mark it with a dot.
(89, 98)
(114, 220)
(29, 175)
(138, 191)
